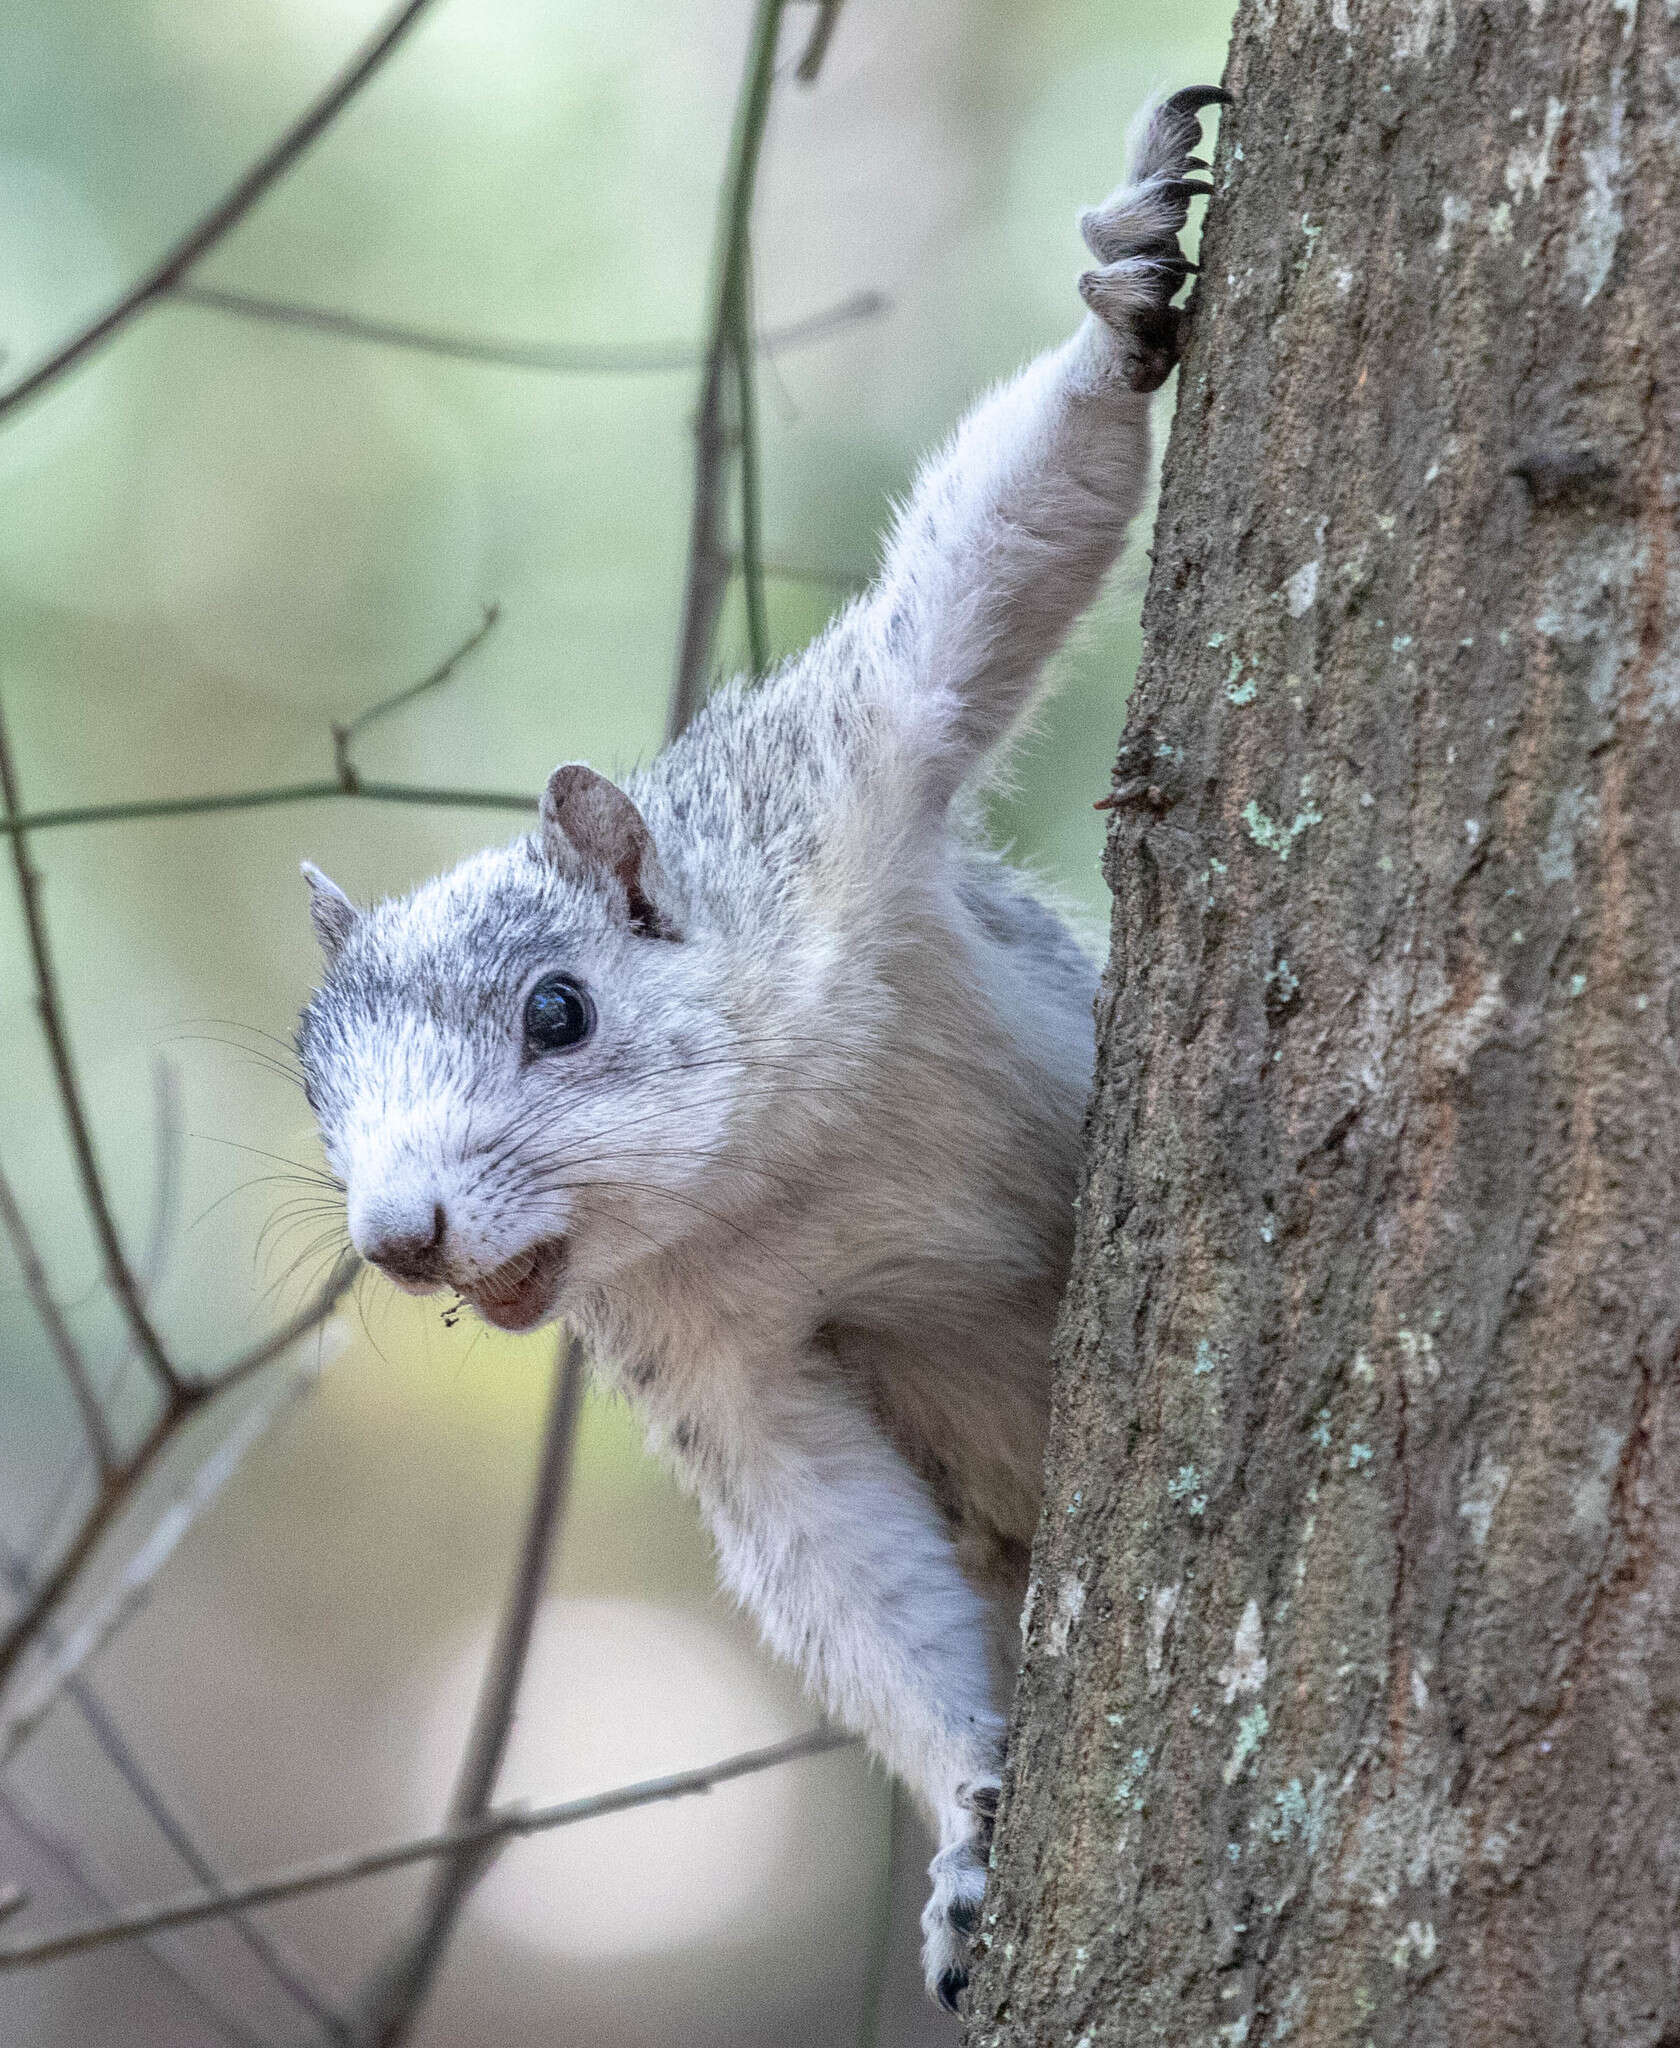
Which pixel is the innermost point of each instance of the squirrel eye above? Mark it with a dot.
(557, 1014)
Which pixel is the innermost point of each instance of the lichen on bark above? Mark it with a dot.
(1363, 1491)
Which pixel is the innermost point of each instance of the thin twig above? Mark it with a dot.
(579, 359)
(53, 1585)
(344, 734)
(48, 1840)
(166, 1159)
(714, 433)
(222, 217)
(134, 1583)
(752, 530)
(347, 777)
(256, 1356)
(500, 1824)
(400, 1989)
(285, 1969)
(808, 572)
(828, 14)
(261, 799)
(100, 1443)
(117, 1269)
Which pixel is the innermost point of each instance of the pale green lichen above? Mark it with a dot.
(1301, 1813)
(1185, 1486)
(1205, 1361)
(1279, 838)
(1251, 1730)
(1359, 1454)
(1125, 1786)
(1284, 981)
(1320, 1431)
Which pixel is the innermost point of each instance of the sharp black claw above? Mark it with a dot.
(1195, 163)
(1194, 97)
(950, 1985)
(985, 1801)
(964, 1916)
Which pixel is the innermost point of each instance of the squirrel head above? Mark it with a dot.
(523, 1070)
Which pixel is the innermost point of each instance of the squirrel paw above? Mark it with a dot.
(951, 1916)
(1134, 237)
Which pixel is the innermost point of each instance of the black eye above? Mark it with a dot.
(557, 1014)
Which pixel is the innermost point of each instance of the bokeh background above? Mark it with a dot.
(218, 537)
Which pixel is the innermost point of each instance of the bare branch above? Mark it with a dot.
(49, 1841)
(344, 734)
(714, 433)
(262, 799)
(134, 1582)
(98, 1430)
(284, 1968)
(746, 413)
(117, 1269)
(809, 572)
(822, 29)
(500, 1824)
(579, 359)
(53, 1585)
(401, 1987)
(166, 1157)
(222, 217)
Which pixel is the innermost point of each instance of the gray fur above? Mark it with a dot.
(807, 1190)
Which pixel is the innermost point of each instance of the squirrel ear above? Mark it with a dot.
(592, 832)
(330, 911)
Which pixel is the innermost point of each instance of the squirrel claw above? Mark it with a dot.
(1134, 236)
(950, 1987)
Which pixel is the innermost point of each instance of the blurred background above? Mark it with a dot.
(218, 537)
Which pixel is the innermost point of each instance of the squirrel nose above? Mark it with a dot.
(401, 1244)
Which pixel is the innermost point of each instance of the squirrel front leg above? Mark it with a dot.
(1011, 528)
(829, 1539)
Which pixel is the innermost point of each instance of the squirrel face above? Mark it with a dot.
(523, 1070)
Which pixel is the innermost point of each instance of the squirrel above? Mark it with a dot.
(768, 1077)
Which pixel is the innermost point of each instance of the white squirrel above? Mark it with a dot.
(768, 1077)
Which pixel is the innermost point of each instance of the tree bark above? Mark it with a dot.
(1351, 1702)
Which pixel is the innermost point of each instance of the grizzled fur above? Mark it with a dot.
(806, 1186)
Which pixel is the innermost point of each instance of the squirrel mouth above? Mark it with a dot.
(520, 1294)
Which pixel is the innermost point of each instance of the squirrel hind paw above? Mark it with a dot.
(1134, 236)
(951, 1919)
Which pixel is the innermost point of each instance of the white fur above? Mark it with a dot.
(814, 1169)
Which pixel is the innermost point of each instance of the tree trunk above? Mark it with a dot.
(1351, 1706)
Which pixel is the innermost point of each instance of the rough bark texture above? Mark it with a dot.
(1351, 1707)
